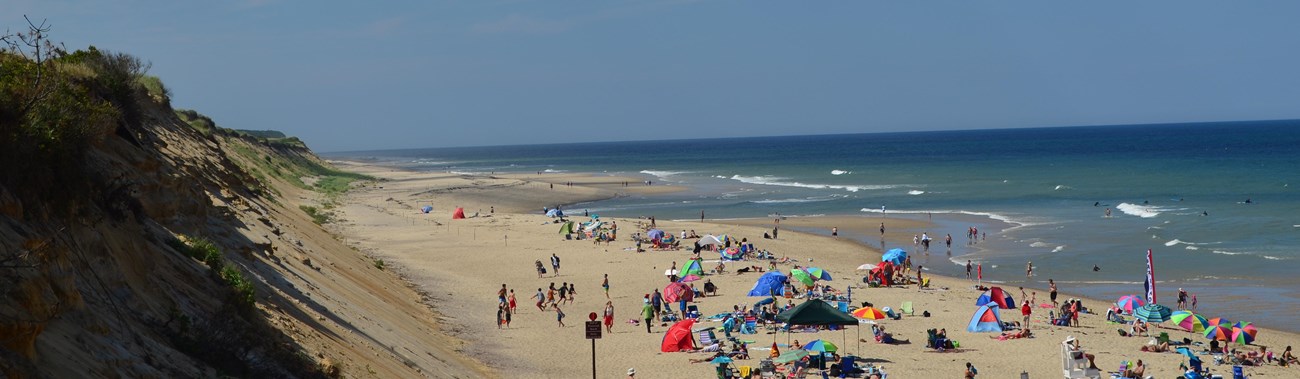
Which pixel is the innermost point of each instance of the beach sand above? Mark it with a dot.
(461, 264)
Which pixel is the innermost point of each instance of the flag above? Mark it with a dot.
(1151, 280)
(979, 269)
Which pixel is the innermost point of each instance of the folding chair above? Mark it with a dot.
(906, 308)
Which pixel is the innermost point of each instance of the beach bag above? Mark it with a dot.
(925, 314)
(543, 270)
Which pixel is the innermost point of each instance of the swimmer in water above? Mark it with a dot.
(1095, 268)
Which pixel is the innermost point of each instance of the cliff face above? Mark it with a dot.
(185, 254)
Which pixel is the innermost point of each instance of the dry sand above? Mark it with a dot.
(462, 263)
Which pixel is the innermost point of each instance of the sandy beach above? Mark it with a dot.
(461, 264)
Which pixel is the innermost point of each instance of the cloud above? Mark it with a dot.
(520, 24)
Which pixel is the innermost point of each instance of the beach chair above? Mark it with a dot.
(1237, 373)
(692, 311)
(843, 306)
(707, 337)
(906, 307)
(750, 326)
(1075, 364)
(744, 371)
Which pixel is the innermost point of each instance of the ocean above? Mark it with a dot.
(1213, 201)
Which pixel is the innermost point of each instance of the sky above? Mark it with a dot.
(367, 75)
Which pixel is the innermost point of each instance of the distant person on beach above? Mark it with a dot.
(1193, 302)
(540, 269)
(559, 315)
(968, 267)
(1029, 270)
(572, 293)
(605, 284)
(609, 316)
(511, 301)
(947, 240)
(555, 264)
(1052, 288)
(1107, 212)
(775, 231)
(501, 294)
(657, 302)
(882, 211)
(835, 232)
(1182, 299)
(701, 215)
(540, 299)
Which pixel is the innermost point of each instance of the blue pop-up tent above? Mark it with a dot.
(985, 319)
(770, 284)
(554, 212)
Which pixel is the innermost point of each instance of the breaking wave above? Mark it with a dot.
(778, 181)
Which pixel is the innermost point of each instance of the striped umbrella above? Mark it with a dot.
(1189, 321)
(868, 313)
(1130, 303)
(1153, 313)
(1241, 336)
(1218, 332)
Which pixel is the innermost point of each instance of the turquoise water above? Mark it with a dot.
(1040, 194)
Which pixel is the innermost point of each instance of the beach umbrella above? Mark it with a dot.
(821, 346)
(677, 291)
(772, 283)
(802, 276)
(710, 239)
(1247, 327)
(689, 278)
(721, 360)
(1153, 313)
(730, 253)
(1186, 352)
(654, 234)
(895, 256)
(1218, 332)
(867, 267)
(1218, 321)
(1130, 303)
(819, 274)
(1189, 321)
(692, 267)
(868, 313)
(791, 356)
(1241, 336)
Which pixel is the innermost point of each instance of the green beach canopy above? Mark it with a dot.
(816, 312)
(567, 228)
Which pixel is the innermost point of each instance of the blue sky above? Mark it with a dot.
(405, 74)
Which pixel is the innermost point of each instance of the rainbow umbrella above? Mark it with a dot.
(1153, 313)
(819, 274)
(1241, 336)
(1130, 303)
(868, 313)
(1218, 332)
(1247, 327)
(820, 346)
(1189, 321)
(802, 276)
(1217, 321)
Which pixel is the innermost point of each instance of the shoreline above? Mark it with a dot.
(842, 252)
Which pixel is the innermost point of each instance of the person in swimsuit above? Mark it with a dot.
(609, 316)
(1052, 294)
(511, 300)
(605, 284)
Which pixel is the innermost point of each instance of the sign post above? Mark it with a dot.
(593, 334)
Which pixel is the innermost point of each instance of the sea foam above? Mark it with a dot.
(779, 181)
(840, 172)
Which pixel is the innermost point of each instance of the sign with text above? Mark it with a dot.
(593, 330)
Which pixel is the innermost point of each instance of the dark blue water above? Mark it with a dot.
(1179, 189)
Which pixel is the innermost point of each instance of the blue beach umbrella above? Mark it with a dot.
(895, 256)
(720, 360)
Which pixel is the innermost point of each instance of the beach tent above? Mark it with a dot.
(458, 214)
(692, 268)
(679, 337)
(654, 234)
(426, 209)
(567, 228)
(710, 239)
(677, 291)
(771, 283)
(895, 256)
(816, 312)
(731, 254)
(997, 296)
(556, 212)
(985, 319)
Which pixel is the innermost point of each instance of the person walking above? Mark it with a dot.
(647, 314)
(1052, 288)
(657, 302)
(555, 264)
(573, 292)
(511, 301)
(1026, 311)
(540, 299)
(559, 314)
(609, 316)
(605, 284)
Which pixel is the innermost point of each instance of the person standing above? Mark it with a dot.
(647, 314)
(609, 316)
(1182, 299)
(882, 230)
(555, 264)
(701, 215)
(605, 284)
(501, 294)
(501, 315)
(968, 268)
(1026, 310)
(947, 240)
(919, 282)
(1052, 288)
(835, 232)
(657, 302)
(1029, 270)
